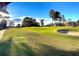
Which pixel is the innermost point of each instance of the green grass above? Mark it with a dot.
(39, 41)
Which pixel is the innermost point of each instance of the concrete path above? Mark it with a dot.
(2, 33)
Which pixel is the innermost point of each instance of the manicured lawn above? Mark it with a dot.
(39, 41)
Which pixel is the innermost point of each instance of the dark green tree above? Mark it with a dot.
(3, 24)
(78, 22)
(27, 21)
(24, 22)
(55, 15)
(42, 22)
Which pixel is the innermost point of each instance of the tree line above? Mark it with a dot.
(57, 18)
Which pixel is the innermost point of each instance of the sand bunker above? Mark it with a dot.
(68, 32)
(73, 33)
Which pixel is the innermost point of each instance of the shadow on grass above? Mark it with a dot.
(5, 47)
(43, 50)
(52, 51)
(25, 50)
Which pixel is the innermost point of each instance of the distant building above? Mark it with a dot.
(11, 24)
(51, 24)
(72, 24)
(17, 21)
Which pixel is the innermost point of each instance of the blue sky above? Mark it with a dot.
(41, 9)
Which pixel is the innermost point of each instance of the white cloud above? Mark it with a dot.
(22, 17)
(38, 20)
(46, 20)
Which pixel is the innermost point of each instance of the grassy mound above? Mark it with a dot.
(39, 41)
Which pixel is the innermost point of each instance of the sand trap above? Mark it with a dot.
(68, 32)
(73, 33)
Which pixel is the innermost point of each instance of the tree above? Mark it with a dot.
(78, 22)
(60, 19)
(52, 14)
(55, 15)
(42, 22)
(24, 22)
(63, 20)
(27, 21)
(3, 24)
